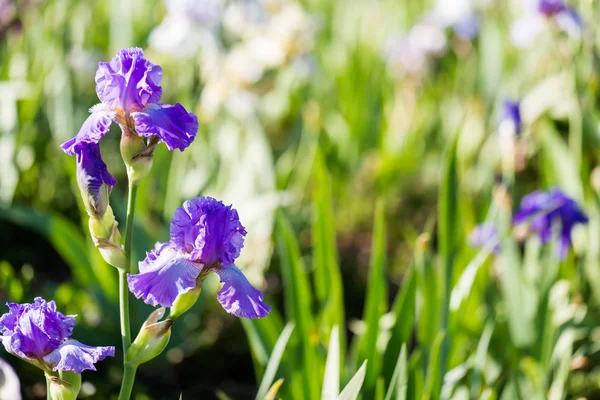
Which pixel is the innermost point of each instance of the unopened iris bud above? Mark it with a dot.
(107, 238)
(94, 181)
(137, 155)
(66, 386)
(184, 302)
(152, 339)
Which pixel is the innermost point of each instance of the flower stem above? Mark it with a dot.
(128, 379)
(48, 395)
(128, 369)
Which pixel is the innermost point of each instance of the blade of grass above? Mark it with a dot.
(327, 275)
(352, 389)
(447, 237)
(298, 303)
(399, 383)
(375, 303)
(331, 380)
(274, 360)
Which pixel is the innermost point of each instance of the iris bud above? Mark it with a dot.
(184, 302)
(152, 338)
(107, 238)
(65, 386)
(136, 155)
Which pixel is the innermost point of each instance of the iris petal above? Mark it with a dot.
(128, 82)
(238, 296)
(93, 129)
(77, 357)
(164, 274)
(171, 123)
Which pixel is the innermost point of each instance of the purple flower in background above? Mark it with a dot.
(510, 119)
(539, 13)
(467, 27)
(39, 334)
(485, 235)
(546, 212)
(206, 236)
(129, 90)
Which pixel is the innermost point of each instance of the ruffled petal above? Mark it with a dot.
(93, 129)
(94, 180)
(34, 330)
(164, 274)
(238, 296)
(77, 357)
(209, 230)
(128, 82)
(171, 123)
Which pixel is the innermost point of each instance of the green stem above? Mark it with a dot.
(128, 379)
(48, 395)
(129, 369)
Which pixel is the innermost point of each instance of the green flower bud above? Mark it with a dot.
(137, 155)
(107, 238)
(151, 340)
(184, 302)
(65, 386)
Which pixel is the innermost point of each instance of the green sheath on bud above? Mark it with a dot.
(152, 338)
(107, 238)
(184, 302)
(136, 155)
(65, 386)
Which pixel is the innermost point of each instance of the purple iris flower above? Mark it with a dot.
(485, 235)
(467, 27)
(547, 211)
(39, 334)
(511, 117)
(540, 12)
(129, 90)
(206, 236)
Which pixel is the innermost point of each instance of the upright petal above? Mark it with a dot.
(510, 119)
(94, 180)
(238, 296)
(171, 123)
(128, 82)
(77, 357)
(93, 129)
(209, 230)
(164, 274)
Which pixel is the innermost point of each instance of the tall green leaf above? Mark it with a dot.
(327, 275)
(376, 300)
(298, 303)
(448, 233)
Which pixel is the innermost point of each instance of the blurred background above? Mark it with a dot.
(361, 141)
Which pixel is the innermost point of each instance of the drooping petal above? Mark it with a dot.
(34, 330)
(209, 230)
(171, 123)
(164, 274)
(93, 129)
(128, 82)
(238, 296)
(77, 357)
(94, 180)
